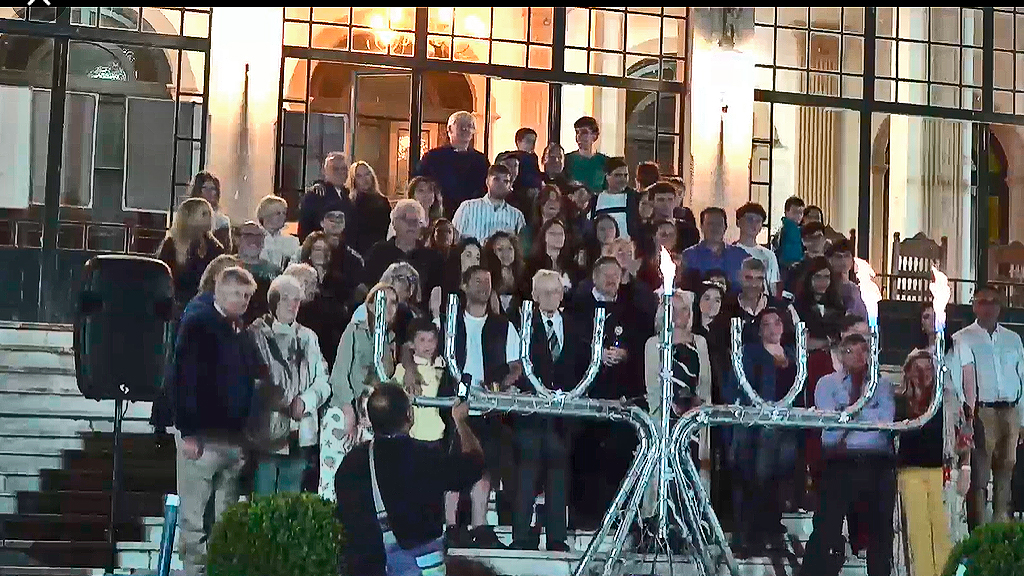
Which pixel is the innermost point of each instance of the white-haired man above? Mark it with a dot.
(407, 218)
(460, 170)
(323, 193)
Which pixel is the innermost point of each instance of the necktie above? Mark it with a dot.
(553, 340)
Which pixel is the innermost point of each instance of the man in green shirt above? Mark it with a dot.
(587, 165)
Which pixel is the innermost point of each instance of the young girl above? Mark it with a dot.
(427, 424)
(505, 262)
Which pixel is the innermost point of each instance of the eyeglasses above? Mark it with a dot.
(404, 278)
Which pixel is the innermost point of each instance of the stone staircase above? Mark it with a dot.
(56, 463)
(55, 480)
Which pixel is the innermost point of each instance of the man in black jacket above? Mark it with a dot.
(324, 192)
(216, 366)
(412, 477)
(557, 347)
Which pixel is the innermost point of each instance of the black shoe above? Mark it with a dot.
(457, 537)
(524, 545)
(484, 537)
(557, 547)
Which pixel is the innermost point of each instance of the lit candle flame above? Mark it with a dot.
(940, 297)
(869, 291)
(668, 271)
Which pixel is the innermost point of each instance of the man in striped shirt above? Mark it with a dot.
(481, 217)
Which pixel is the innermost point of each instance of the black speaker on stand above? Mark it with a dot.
(123, 338)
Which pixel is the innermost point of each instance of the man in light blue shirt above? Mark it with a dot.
(859, 465)
(712, 253)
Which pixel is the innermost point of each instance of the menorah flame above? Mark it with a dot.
(869, 291)
(668, 271)
(940, 297)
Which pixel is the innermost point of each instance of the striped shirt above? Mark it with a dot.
(479, 218)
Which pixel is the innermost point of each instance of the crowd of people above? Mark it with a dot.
(276, 330)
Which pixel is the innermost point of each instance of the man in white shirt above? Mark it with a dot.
(488, 363)
(991, 358)
(750, 220)
(481, 217)
(619, 200)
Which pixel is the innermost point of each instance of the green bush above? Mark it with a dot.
(991, 550)
(280, 535)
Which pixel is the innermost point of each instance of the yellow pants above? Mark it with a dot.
(927, 525)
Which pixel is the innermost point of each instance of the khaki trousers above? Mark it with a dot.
(1002, 428)
(214, 475)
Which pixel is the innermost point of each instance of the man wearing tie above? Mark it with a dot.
(541, 441)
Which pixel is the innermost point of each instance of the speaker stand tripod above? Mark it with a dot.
(115, 481)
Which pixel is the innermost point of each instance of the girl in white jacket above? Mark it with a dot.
(284, 424)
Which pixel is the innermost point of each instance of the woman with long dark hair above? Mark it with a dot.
(553, 250)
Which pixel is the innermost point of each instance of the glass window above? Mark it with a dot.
(191, 22)
(809, 152)
(933, 56)
(508, 36)
(622, 42)
(810, 51)
(362, 29)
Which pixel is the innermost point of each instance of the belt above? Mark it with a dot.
(999, 404)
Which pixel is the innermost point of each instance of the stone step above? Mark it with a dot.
(19, 481)
(23, 333)
(67, 527)
(25, 358)
(48, 571)
(88, 502)
(150, 443)
(132, 480)
(30, 382)
(50, 405)
(66, 426)
(39, 443)
(26, 461)
(104, 462)
(8, 502)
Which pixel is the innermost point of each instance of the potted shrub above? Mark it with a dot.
(991, 550)
(280, 535)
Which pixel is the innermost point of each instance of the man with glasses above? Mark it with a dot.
(407, 218)
(991, 362)
(859, 465)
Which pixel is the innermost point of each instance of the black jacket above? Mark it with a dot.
(316, 200)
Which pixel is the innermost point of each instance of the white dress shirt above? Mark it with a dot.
(280, 248)
(480, 218)
(998, 360)
(557, 325)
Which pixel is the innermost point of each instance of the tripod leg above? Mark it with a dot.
(115, 486)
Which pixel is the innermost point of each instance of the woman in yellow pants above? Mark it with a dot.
(921, 468)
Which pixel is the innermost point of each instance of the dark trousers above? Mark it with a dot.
(602, 454)
(845, 480)
(542, 444)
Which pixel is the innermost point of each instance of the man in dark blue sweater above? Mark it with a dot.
(460, 170)
(216, 364)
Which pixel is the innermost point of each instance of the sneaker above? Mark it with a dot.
(484, 537)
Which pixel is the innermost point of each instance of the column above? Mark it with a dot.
(243, 105)
(721, 108)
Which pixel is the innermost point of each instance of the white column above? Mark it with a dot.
(722, 111)
(243, 116)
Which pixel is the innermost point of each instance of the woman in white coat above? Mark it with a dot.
(284, 426)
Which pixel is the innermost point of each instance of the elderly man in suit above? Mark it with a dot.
(542, 442)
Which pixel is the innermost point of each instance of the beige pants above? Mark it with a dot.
(1002, 427)
(927, 524)
(213, 475)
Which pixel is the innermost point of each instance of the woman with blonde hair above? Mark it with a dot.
(691, 374)
(207, 186)
(372, 211)
(352, 379)
(924, 458)
(189, 247)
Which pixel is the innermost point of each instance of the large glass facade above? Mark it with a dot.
(128, 118)
(512, 67)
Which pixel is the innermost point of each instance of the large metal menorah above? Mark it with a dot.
(664, 449)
